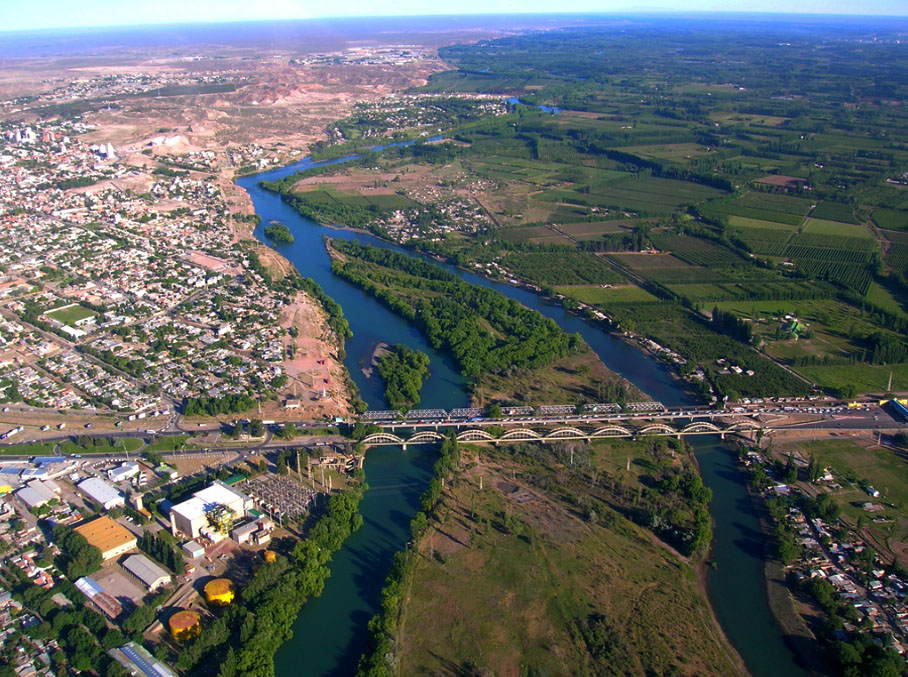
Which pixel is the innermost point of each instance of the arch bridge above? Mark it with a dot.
(527, 434)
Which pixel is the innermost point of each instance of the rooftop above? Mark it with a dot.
(206, 500)
(98, 490)
(105, 534)
(145, 570)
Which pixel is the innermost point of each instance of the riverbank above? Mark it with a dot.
(747, 624)
(798, 635)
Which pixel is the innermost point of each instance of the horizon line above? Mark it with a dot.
(617, 13)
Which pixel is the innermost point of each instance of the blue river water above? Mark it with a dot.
(330, 633)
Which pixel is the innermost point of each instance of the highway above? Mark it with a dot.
(773, 418)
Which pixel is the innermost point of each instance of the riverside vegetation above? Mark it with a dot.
(404, 370)
(492, 338)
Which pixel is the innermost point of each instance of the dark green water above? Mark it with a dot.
(330, 633)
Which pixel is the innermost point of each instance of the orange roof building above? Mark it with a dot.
(110, 538)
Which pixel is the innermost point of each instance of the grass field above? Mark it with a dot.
(534, 234)
(506, 587)
(866, 378)
(33, 449)
(70, 315)
(594, 229)
(122, 444)
(837, 328)
(745, 222)
(823, 227)
(168, 443)
(887, 299)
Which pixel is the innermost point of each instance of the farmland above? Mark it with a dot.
(716, 190)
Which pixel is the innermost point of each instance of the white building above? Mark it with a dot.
(35, 494)
(191, 516)
(147, 572)
(123, 472)
(102, 492)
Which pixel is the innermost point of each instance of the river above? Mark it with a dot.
(330, 633)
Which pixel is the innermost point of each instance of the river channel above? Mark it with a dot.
(330, 633)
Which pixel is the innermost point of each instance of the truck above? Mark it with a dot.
(10, 433)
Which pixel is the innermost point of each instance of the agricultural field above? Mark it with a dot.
(897, 253)
(747, 196)
(553, 268)
(533, 234)
(697, 251)
(606, 296)
(896, 219)
(596, 229)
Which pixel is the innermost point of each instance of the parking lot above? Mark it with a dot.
(280, 496)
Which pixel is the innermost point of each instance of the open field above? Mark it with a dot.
(71, 315)
(512, 577)
(117, 447)
(866, 378)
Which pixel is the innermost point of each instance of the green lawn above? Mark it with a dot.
(122, 444)
(33, 449)
(168, 443)
(71, 315)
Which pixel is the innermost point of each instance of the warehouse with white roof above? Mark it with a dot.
(102, 492)
(37, 493)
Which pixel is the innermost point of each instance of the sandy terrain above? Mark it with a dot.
(315, 369)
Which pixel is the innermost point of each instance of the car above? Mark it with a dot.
(88, 425)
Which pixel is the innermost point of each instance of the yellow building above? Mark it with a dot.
(110, 538)
(219, 592)
(185, 625)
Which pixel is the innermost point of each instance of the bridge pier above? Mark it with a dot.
(404, 446)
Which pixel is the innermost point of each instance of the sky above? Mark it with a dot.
(42, 14)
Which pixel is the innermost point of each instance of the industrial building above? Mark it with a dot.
(136, 659)
(193, 549)
(109, 537)
(102, 492)
(37, 493)
(146, 572)
(124, 471)
(99, 598)
(218, 503)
